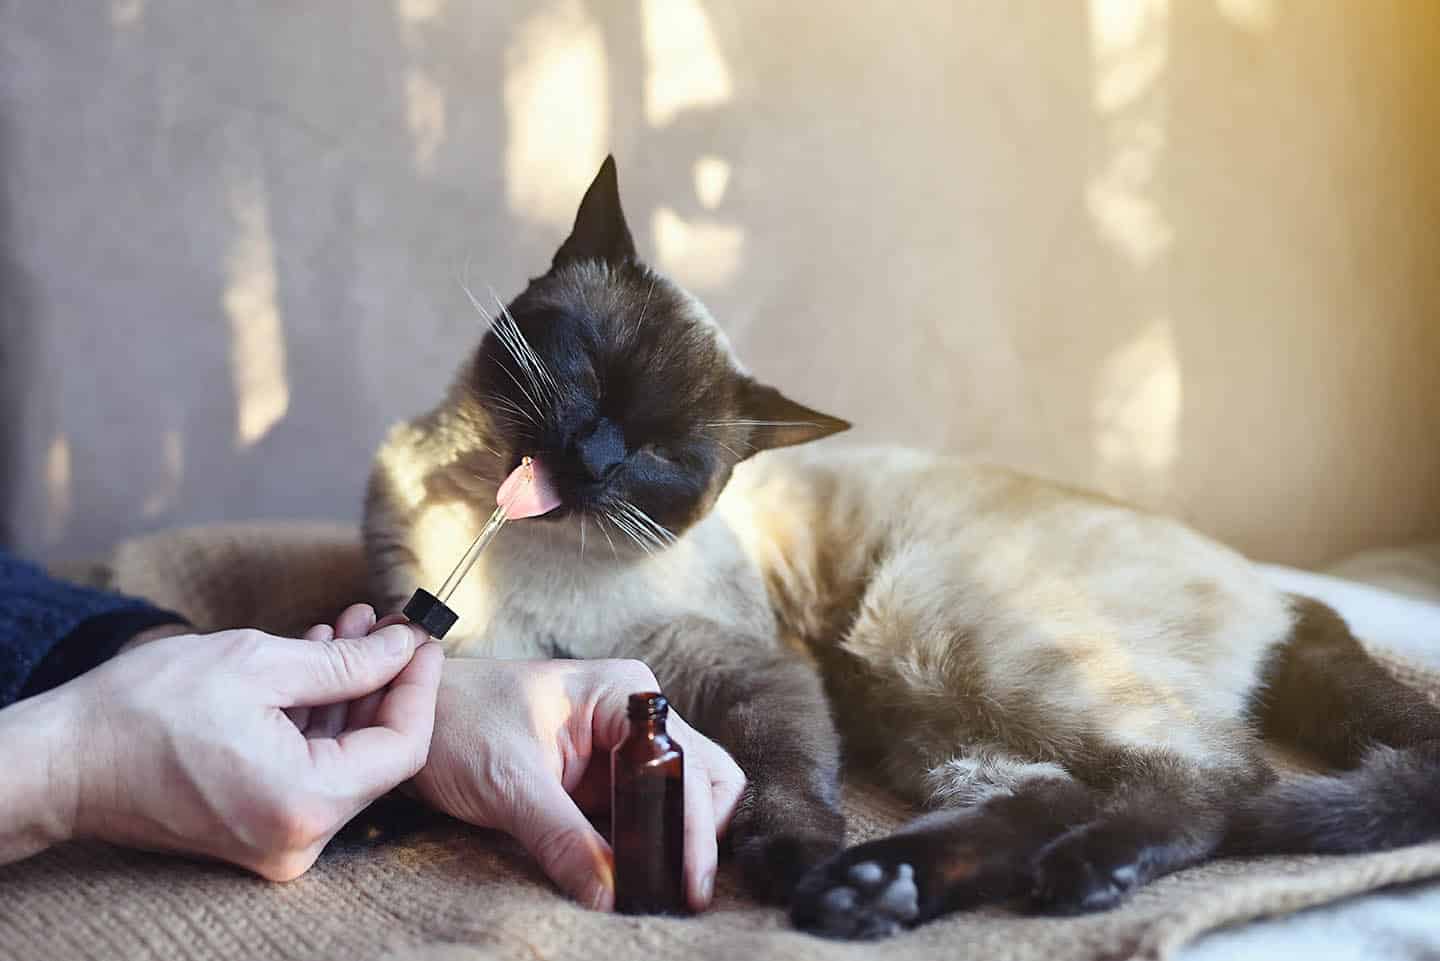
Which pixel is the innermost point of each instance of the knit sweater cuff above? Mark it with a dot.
(64, 627)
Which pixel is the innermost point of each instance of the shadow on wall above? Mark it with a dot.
(998, 230)
(16, 348)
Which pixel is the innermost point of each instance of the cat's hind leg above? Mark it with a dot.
(1323, 694)
(1049, 842)
(1158, 812)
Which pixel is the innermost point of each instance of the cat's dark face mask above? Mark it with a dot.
(621, 386)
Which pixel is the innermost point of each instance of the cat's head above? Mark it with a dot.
(622, 386)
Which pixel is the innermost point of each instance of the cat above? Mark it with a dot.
(1077, 690)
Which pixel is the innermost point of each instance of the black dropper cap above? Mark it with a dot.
(428, 612)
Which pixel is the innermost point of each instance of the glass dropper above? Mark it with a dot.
(432, 611)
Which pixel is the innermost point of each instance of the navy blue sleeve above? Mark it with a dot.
(52, 631)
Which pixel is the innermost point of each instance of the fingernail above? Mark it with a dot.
(707, 886)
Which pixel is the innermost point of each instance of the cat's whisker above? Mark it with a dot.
(599, 522)
(508, 333)
(628, 514)
(635, 331)
(506, 404)
(537, 364)
(759, 423)
(475, 302)
(505, 328)
(631, 530)
(661, 531)
(733, 453)
(502, 332)
(751, 446)
(634, 535)
(533, 403)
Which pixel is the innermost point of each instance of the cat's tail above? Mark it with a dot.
(1390, 800)
(1324, 695)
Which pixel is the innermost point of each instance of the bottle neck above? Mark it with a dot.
(650, 727)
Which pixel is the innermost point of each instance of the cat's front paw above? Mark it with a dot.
(860, 896)
(774, 866)
(1083, 870)
(779, 835)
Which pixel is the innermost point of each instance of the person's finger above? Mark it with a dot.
(592, 794)
(701, 850)
(727, 781)
(328, 720)
(324, 672)
(388, 619)
(320, 632)
(357, 620)
(376, 759)
(363, 710)
(300, 716)
(571, 852)
(727, 785)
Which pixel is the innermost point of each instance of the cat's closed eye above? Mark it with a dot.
(662, 453)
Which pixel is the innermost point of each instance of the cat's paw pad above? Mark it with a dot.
(862, 901)
(1076, 874)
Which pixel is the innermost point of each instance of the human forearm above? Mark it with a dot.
(37, 794)
(52, 631)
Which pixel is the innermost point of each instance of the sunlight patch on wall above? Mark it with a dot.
(686, 68)
(257, 340)
(1130, 45)
(1130, 48)
(699, 255)
(172, 473)
(1137, 412)
(418, 11)
(1253, 16)
(557, 113)
(712, 176)
(59, 489)
(425, 116)
(126, 13)
(1119, 195)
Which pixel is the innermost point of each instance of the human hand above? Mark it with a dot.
(524, 747)
(183, 744)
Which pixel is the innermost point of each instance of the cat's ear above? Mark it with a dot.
(778, 421)
(600, 232)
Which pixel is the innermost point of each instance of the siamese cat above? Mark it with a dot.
(1077, 690)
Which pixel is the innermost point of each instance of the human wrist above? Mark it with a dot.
(41, 802)
(154, 634)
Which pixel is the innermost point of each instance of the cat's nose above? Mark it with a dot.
(601, 449)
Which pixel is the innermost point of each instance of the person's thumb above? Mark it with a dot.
(571, 852)
(341, 669)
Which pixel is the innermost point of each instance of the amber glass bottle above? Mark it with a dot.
(647, 813)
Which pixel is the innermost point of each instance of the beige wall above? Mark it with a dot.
(1183, 250)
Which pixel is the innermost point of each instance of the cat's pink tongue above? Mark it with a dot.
(531, 499)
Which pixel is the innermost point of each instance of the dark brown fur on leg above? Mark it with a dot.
(944, 862)
(767, 708)
(1057, 845)
(1160, 813)
(1323, 694)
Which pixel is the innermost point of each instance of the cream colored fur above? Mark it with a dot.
(1007, 628)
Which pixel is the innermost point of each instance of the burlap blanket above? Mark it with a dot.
(439, 890)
